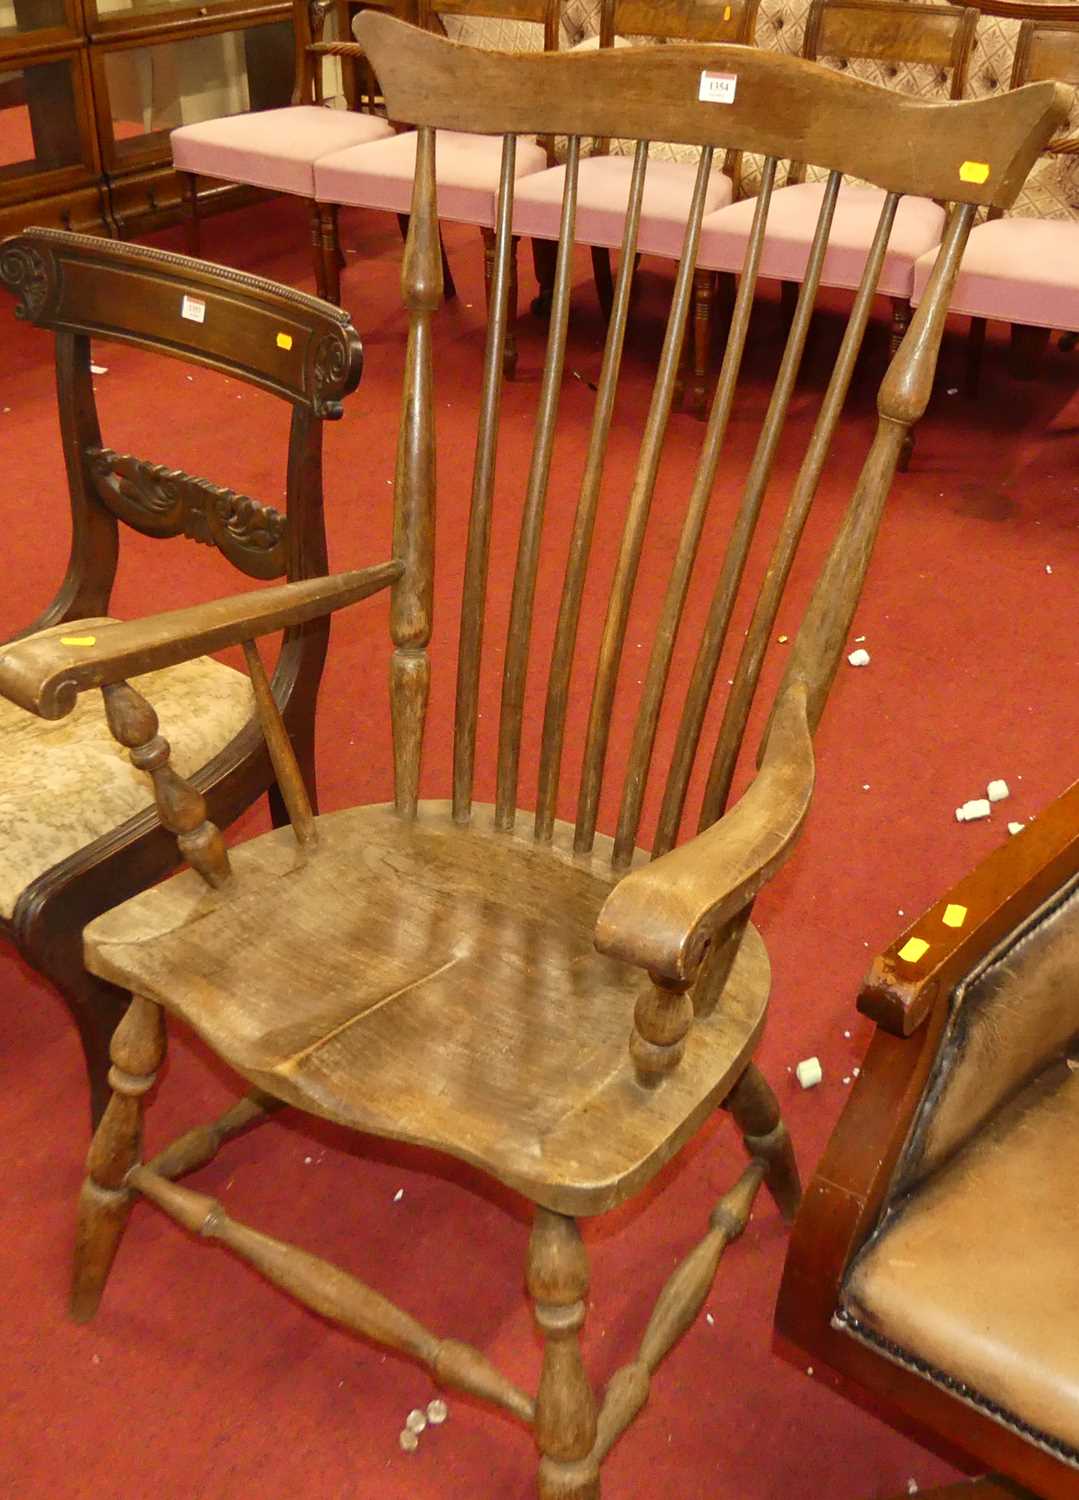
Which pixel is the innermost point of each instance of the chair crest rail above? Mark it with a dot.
(977, 152)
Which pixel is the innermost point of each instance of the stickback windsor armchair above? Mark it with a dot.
(78, 829)
(429, 970)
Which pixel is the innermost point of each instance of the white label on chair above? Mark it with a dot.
(194, 309)
(717, 88)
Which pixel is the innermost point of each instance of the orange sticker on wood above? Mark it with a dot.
(913, 949)
(284, 340)
(954, 915)
(974, 171)
(78, 640)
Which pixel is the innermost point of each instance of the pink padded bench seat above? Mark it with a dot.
(792, 217)
(467, 169)
(1018, 270)
(272, 148)
(602, 194)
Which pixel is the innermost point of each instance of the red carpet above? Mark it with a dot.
(197, 1379)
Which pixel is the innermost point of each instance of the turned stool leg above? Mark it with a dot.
(756, 1113)
(138, 1046)
(565, 1425)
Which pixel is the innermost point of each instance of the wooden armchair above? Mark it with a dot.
(78, 830)
(933, 1264)
(528, 994)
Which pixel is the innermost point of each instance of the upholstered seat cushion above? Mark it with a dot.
(977, 1275)
(1019, 270)
(602, 192)
(273, 148)
(65, 782)
(467, 169)
(792, 218)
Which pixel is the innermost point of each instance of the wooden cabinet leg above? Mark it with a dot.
(755, 1110)
(557, 1275)
(138, 1047)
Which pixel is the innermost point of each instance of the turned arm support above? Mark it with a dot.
(663, 916)
(45, 674)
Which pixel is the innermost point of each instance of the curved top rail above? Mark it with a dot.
(973, 152)
(296, 346)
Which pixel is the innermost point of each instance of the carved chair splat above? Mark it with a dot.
(529, 994)
(61, 873)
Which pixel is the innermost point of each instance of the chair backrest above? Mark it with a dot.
(715, 97)
(935, 39)
(1046, 49)
(686, 21)
(282, 341)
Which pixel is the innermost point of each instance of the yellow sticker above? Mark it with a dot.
(974, 171)
(913, 949)
(726, 12)
(78, 640)
(954, 916)
(284, 340)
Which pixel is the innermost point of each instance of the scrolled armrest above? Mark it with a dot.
(45, 673)
(662, 916)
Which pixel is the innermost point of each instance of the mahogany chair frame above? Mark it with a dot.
(84, 288)
(677, 925)
(1043, 49)
(909, 1002)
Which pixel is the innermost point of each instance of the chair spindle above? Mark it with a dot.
(524, 584)
(614, 629)
(554, 719)
(414, 487)
(479, 518)
(286, 768)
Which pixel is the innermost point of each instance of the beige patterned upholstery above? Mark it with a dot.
(66, 782)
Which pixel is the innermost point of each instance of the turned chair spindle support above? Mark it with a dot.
(181, 808)
(565, 1424)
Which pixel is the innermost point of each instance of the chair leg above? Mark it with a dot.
(902, 312)
(704, 292)
(327, 251)
(565, 1426)
(788, 301)
(138, 1048)
(98, 1009)
(1028, 346)
(756, 1113)
(509, 353)
(604, 279)
(189, 188)
(544, 261)
(975, 351)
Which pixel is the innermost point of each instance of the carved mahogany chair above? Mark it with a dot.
(933, 1264)
(540, 999)
(277, 149)
(78, 828)
(1024, 271)
(900, 41)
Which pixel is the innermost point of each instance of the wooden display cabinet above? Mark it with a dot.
(90, 89)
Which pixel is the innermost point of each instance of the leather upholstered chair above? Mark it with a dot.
(78, 828)
(934, 1265)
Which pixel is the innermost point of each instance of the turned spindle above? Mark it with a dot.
(755, 1111)
(137, 1050)
(181, 808)
(565, 1423)
(661, 1021)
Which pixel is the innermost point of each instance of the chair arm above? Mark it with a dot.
(662, 916)
(45, 673)
(943, 945)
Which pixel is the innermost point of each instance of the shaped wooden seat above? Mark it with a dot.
(510, 1055)
(558, 1006)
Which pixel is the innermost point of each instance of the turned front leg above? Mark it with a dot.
(138, 1046)
(661, 1022)
(565, 1423)
(756, 1113)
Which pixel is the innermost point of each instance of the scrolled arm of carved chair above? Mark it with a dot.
(933, 1263)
